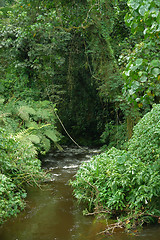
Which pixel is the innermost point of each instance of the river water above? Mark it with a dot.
(53, 214)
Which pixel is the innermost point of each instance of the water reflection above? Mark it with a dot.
(52, 213)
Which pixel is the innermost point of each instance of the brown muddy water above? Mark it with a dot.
(53, 214)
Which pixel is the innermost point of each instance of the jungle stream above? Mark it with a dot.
(53, 214)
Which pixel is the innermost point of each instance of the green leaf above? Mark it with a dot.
(157, 2)
(133, 4)
(24, 112)
(32, 125)
(155, 63)
(154, 12)
(127, 73)
(131, 91)
(34, 138)
(30, 110)
(140, 73)
(59, 147)
(156, 71)
(27, 109)
(52, 135)
(46, 143)
(133, 68)
(43, 113)
(143, 9)
(143, 79)
(135, 85)
(139, 61)
(23, 115)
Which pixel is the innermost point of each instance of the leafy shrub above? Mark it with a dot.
(11, 200)
(114, 135)
(25, 128)
(18, 167)
(145, 142)
(118, 181)
(18, 157)
(37, 117)
(125, 181)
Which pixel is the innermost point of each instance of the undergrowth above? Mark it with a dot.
(19, 167)
(26, 128)
(125, 183)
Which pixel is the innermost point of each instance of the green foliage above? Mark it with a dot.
(43, 57)
(145, 142)
(121, 36)
(30, 59)
(124, 182)
(18, 167)
(11, 200)
(31, 47)
(36, 118)
(114, 135)
(119, 182)
(17, 86)
(142, 65)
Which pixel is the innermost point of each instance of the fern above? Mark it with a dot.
(51, 135)
(32, 124)
(36, 117)
(34, 138)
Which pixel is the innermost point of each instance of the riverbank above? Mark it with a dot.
(53, 213)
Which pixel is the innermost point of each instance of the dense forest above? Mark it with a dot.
(84, 72)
